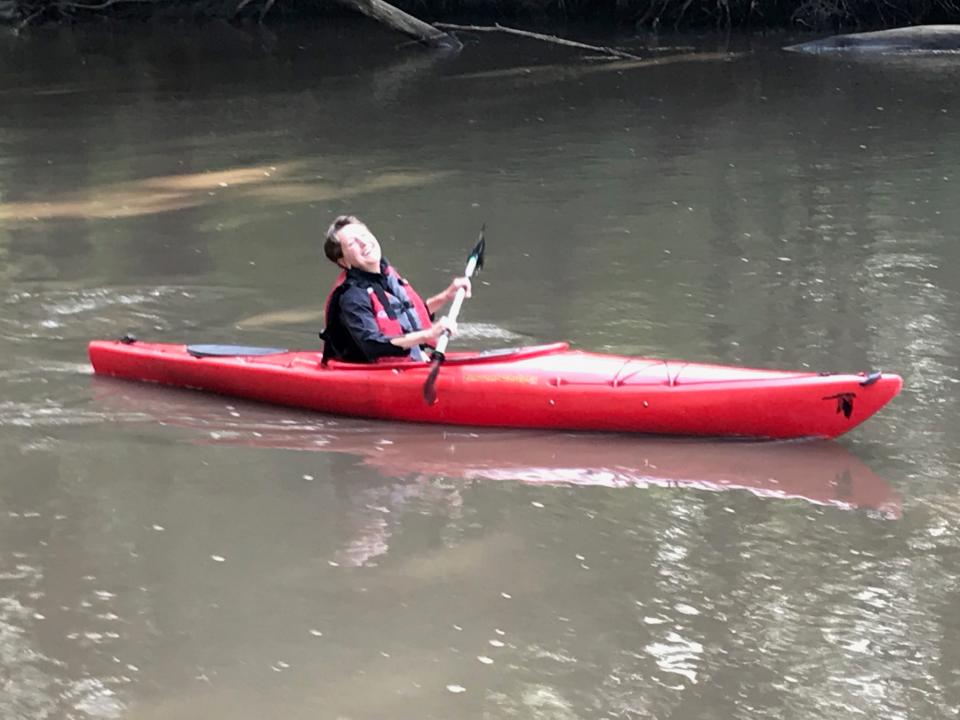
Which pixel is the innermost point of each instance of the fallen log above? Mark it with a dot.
(914, 40)
(405, 23)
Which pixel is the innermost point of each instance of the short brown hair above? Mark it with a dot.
(331, 246)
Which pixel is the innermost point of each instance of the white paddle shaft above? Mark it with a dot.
(457, 302)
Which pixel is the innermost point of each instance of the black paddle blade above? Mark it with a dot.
(479, 249)
(430, 386)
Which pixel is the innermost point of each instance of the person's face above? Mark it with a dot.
(360, 247)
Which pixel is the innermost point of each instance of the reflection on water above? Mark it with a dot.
(572, 71)
(169, 555)
(177, 192)
(423, 459)
(822, 473)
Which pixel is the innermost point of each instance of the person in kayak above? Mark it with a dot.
(372, 313)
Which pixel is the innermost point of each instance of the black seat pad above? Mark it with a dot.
(231, 350)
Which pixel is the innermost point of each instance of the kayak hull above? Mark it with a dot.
(546, 386)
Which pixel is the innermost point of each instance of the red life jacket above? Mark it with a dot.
(387, 325)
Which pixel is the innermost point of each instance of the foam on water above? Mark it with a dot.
(485, 331)
(50, 413)
(84, 312)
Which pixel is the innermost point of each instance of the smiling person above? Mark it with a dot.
(372, 313)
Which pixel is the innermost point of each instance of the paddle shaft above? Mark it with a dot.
(457, 303)
(474, 261)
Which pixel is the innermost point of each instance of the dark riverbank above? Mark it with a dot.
(821, 15)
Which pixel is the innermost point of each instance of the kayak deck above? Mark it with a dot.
(546, 386)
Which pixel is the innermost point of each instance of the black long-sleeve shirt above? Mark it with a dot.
(357, 318)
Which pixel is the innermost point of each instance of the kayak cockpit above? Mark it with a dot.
(284, 356)
(461, 358)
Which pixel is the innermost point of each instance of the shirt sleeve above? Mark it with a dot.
(357, 317)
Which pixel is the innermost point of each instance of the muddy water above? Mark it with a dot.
(165, 554)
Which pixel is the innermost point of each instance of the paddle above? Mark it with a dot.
(474, 263)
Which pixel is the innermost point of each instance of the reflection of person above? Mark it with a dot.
(372, 312)
(371, 514)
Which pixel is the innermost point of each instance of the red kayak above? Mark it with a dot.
(546, 386)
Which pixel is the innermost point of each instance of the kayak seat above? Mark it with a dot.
(201, 351)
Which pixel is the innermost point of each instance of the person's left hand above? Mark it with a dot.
(458, 282)
(441, 326)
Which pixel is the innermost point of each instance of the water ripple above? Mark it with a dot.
(38, 314)
(50, 413)
(35, 685)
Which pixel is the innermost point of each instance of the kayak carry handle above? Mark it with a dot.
(870, 379)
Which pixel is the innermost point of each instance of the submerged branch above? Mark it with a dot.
(567, 72)
(613, 52)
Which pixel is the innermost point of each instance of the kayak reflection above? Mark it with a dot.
(820, 472)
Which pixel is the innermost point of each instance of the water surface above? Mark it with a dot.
(166, 554)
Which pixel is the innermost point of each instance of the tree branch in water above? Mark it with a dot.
(612, 52)
(99, 6)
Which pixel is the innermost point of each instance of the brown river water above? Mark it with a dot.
(168, 554)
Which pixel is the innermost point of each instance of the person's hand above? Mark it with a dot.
(458, 282)
(443, 325)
